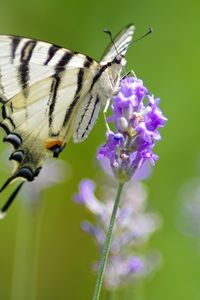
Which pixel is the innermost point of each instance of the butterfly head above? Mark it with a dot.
(119, 60)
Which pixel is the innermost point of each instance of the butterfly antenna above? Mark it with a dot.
(111, 38)
(112, 41)
(150, 30)
(10, 200)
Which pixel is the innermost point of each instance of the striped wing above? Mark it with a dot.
(120, 44)
(24, 62)
(50, 94)
(41, 88)
(86, 116)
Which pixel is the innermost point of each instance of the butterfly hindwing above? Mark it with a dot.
(86, 116)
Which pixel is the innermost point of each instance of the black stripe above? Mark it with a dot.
(69, 110)
(88, 62)
(11, 107)
(11, 121)
(15, 42)
(88, 125)
(64, 60)
(56, 79)
(4, 116)
(24, 66)
(98, 75)
(76, 97)
(2, 101)
(83, 115)
(3, 112)
(79, 81)
(54, 89)
(5, 128)
(52, 51)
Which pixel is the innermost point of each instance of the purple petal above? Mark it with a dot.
(135, 265)
(86, 196)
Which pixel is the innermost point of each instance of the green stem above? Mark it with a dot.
(107, 244)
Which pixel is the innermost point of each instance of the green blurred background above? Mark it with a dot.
(169, 62)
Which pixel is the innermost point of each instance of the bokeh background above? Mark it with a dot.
(169, 62)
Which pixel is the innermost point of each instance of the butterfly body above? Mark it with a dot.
(50, 94)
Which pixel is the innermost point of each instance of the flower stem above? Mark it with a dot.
(107, 244)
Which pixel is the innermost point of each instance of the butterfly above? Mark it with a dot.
(50, 94)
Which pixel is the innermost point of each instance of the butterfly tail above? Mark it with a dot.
(10, 200)
(23, 173)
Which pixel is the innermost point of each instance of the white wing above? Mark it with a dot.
(24, 62)
(41, 86)
(86, 116)
(120, 44)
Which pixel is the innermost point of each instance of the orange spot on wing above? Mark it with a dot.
(51, 143)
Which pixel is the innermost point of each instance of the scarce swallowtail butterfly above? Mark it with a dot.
(50, 94)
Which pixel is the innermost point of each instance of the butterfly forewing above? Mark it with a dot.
(120, 43)
(24, 62)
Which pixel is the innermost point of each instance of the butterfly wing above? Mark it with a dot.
(86, 116)
(120, 44)
(23, 62)
(41, 86)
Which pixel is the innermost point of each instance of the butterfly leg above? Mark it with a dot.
(127, 74)
(133, 73)
(105, 112)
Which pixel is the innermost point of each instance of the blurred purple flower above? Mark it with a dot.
(86, 196)
(136, 125)
(121, 270)
(132, 230)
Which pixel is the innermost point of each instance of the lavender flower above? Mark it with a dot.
(136, 125)
(132, 230)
